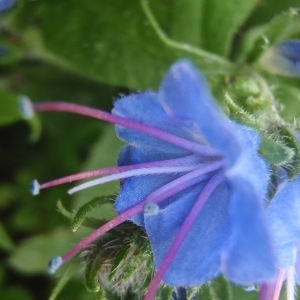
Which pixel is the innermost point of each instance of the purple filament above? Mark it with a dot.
(140, 127)
(271, 291)
(188, 160)
(157, 196)
(188, 223)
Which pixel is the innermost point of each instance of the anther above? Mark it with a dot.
(151, 209)
(26, 107)
(34, 187)
(54, 264)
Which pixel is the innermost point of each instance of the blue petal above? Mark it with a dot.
(135, 189)
(146, 109)
(248, 258)
(198, 259)
(284, 214)
(6, 4)
(286, 255)
(291, 51)
(185, 95)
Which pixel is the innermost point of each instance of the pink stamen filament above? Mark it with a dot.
(132, 173)
(271, 291)
(188, 160)
(185, 228)
(157, 196)
(137, 126)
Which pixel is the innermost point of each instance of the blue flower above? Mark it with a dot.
(6, 4)
(191, 177)
(283, 58)
(284, 223)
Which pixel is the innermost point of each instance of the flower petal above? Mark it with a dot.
(146, 109)
(198, 259)
(248, 258)
(135, 189)
(284, 213)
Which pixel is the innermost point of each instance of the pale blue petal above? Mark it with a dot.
(286, 255)
(146, 109)
(284, 214)
(249, 256)
(135, 189)
(198, 259)
(184, 95)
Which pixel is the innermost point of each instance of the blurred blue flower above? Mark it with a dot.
(191, 177)
(283, 58)
(6, 4)
(284, 222)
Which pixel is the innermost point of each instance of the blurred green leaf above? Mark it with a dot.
(5, 241)
(33, 255)
(15, 293)
(63, 280)
(9, 107)
(282, 27)
(117, 46)
(220, 21)
(104, 153)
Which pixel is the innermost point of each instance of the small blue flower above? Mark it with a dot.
(6, 4)
(191, 177)
(283, 58)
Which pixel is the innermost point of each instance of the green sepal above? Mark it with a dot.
(238, 114)
(275, 151)
(85, 209)
(121, 262)
(293, 166)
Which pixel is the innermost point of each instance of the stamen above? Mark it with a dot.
(151, 209)
(54, 264)
(271, 291)
(188, 160)
(140, 127)
(131, 173)
(35, 187)
(290, 283)
(26, 107)
(185, 228)
(157, 196)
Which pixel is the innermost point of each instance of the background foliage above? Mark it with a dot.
(91, 52)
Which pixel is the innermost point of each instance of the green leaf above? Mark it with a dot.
(275, 152)
(289, 98)
(15, 293)
(33, 255)
(220, 21)
(5, 241)
(9, 107)
(116, 47)
(282, 27)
